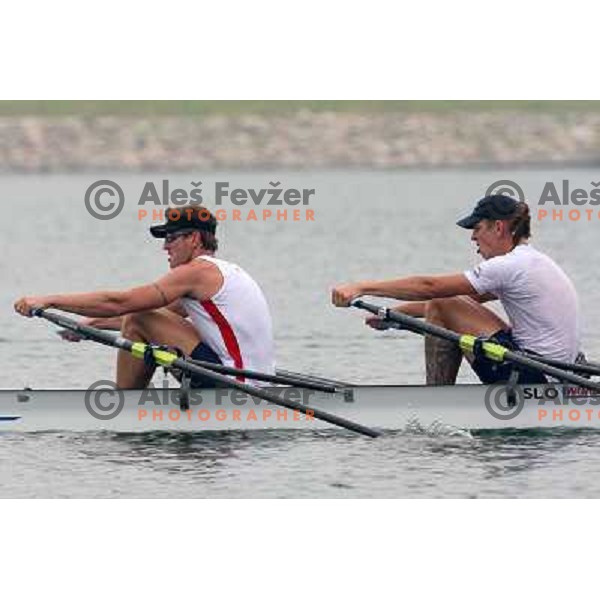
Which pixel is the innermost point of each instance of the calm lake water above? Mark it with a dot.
(366, 225)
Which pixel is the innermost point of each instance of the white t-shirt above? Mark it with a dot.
(236, 321)
(539, 299)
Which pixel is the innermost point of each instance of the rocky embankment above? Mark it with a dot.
(302, 140)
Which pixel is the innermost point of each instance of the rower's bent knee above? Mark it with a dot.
(438, 305)
(136, 320)
(439, 309)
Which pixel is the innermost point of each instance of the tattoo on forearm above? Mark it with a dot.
(164, 298)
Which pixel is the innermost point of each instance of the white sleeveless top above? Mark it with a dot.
(236, 321)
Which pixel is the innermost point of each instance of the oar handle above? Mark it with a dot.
(380, 311)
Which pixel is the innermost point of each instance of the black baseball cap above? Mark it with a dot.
(495, 208)
(186, 218)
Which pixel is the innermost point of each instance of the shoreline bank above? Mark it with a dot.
(304, 140)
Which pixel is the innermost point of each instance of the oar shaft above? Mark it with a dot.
(425, 328)
(584, 368)
(304, 377)
(277, 379)
(550, 370)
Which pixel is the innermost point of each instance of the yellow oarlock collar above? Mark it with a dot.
(162, 357)
(494, 351)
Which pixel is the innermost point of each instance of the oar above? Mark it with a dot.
(586, 368)
(258, 376)
(313, 379)
(467, 343)
(169, 359)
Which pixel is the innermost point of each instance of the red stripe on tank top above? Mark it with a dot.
(227, 334)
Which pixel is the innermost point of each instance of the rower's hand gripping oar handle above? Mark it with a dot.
(381, 311)
(67, 325)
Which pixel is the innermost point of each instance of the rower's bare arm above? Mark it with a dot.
(416, 288)
(102, 305)
(197, 280)
(177, 308)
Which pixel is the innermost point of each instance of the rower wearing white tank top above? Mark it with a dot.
(234, 322)
(209, 308)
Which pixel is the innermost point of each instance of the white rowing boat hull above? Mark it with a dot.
(471, 407)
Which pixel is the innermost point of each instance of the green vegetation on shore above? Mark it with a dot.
(198, 108)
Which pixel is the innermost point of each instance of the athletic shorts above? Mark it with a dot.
(491, 371)
(205, 353)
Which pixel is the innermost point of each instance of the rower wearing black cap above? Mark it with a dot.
(539, 299)
(209, 308)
